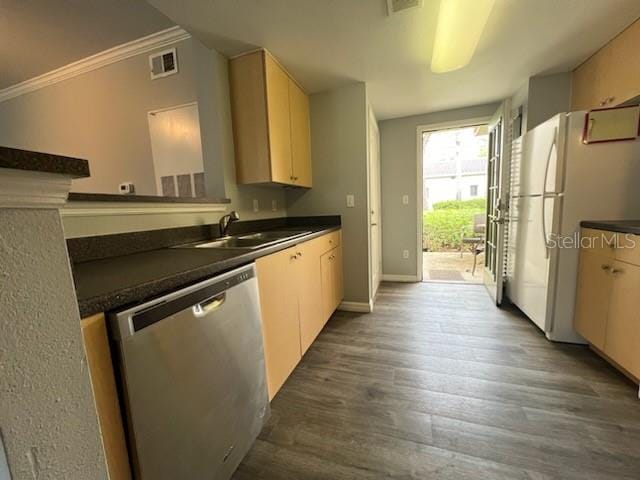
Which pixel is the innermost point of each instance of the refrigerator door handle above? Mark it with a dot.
(546, 168)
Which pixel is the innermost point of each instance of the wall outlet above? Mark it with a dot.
(351, 200)
(256, 206)
(405, 199)
(405, 254)
(274, 205)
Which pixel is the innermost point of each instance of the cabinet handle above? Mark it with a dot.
(293, 257)
(606, 268)
(615, 271)
(298, 254)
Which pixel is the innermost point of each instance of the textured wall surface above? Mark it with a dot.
(47, 413)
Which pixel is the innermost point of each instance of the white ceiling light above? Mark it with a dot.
(460, 25)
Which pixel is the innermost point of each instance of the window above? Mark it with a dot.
(473, 190)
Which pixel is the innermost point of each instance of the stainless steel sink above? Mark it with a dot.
(249, 241)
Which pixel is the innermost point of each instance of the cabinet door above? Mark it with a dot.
(279, 125)
(280, 325)
(300, 136)
(332, 284)
(309, 282)
(623, 325)
(592, 297)
(589, 89)
(622, 75)
(328, 284)
(105, 393)
(338, 293)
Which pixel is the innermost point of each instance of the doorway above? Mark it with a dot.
(454, 195)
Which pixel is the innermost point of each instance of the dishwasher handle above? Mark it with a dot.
(204, 308)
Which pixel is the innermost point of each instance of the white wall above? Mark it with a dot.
(399, 156)
(445, 188)
(47, 413)
(339, 155)
(541, 97)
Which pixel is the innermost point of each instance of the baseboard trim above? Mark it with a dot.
(399, 278)
(358, 307)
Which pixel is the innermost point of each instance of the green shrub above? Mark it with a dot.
(474, 203)
(442, 227)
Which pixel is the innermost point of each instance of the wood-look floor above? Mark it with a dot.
(438, 383)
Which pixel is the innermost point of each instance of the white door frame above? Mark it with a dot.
(432, 127)
(371, 183)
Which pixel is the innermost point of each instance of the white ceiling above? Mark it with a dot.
(327, 43)
(37, 36)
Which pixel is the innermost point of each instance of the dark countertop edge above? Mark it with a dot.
(144, 292)
(620, 226)
(115, 197)
(17, 159)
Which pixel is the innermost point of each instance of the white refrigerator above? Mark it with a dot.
(556, 182)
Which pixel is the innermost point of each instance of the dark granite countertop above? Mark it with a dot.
(115, 197)
(112, 283)
(17, 159)
(622, 226)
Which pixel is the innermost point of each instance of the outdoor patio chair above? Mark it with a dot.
(476, 241)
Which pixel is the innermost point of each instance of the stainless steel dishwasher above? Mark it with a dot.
(193, 377)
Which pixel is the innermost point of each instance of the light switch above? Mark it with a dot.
(274, 205)
(405, 254)
(351, 201)
(256, 206)
(405, 199)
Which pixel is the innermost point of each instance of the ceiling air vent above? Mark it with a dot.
(395, 6)
(163, 63)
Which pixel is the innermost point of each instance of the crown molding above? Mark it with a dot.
(154, 41)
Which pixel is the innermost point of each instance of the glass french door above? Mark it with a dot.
(497, 192)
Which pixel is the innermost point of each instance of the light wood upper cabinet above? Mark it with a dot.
(300, 135)
(592, 297)
(623, 323)
(279, 121)
(611, 76)
(270, 123)
(280, 325)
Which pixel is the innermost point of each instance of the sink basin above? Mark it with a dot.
(249, 241)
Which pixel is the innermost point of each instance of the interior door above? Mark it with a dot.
(497, 195)
(374, 204)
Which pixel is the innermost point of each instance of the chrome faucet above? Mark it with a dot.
(226, 220)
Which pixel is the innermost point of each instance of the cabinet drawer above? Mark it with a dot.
(627, 248)
(599, 242)
(329, 241)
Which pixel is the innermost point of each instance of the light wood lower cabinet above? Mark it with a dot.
(331, 266)
(96, 344)
(622, 342)
(607, 312)
(592, 298)
(280, 322)
(299, 290)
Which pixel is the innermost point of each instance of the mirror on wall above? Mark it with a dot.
(111, 81)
